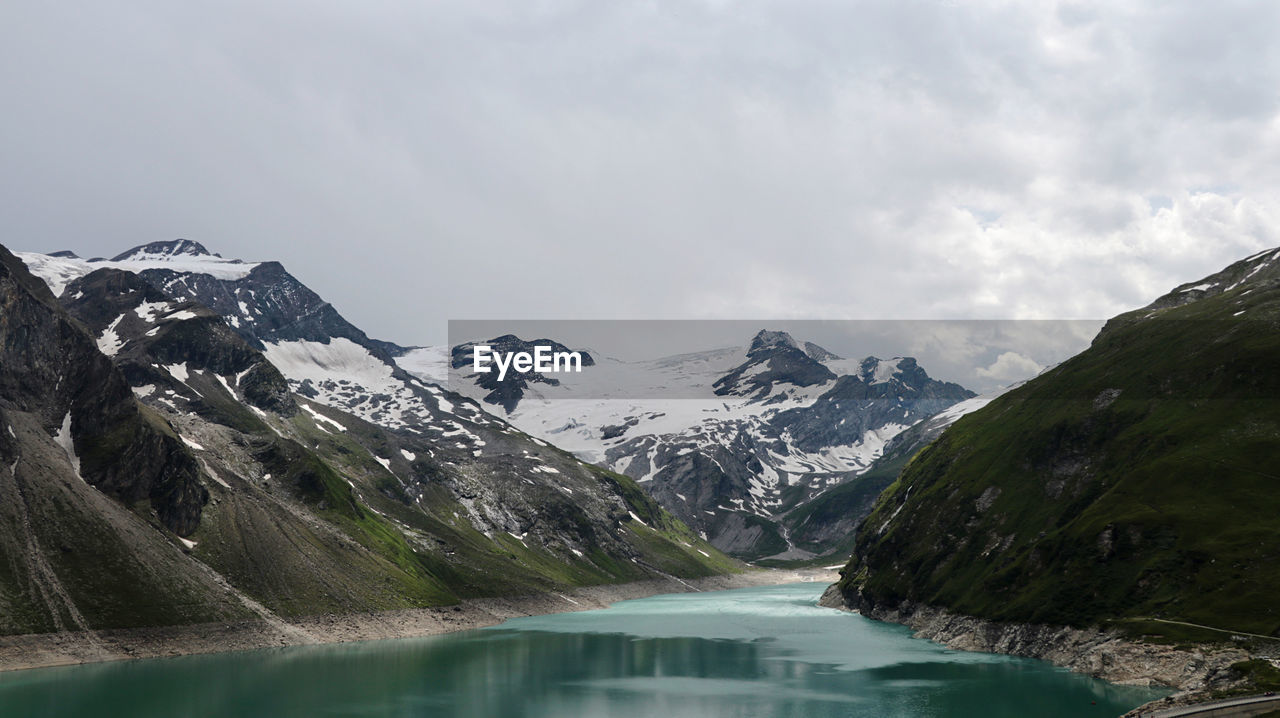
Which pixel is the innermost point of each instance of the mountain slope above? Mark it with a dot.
(285, 506)
(97, 488)
(1134, 480)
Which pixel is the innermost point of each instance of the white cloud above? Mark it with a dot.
(676, 159)
(1010, 367)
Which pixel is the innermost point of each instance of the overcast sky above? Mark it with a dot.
(420, 161)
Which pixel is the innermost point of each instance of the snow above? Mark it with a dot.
(189, 544)
(427, 363)
(11, 432)
(109, 343)
(179, 371)
(386, 463)
(1198, 288)
(221, 379)
(344, 373)
(149, 311)
(191, 443)
(321, 418)
(57, 272)
(885, 369)
(63, 437)
(408, 455)
(184, 314)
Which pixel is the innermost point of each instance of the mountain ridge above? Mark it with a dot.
(1131, 481)
(302, 507)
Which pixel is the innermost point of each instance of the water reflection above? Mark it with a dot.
(759, 652)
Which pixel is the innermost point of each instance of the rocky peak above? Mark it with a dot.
(774, 357)
(161, 250)
(766, 339)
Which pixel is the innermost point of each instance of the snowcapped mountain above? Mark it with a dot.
(755, 432)
(291, 456)
(742, 435)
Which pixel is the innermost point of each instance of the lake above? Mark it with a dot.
(750, 652)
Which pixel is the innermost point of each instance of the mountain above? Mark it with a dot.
(1131, 487)
(733, 439)
(260, 300)
(165, 472)
(507, 391)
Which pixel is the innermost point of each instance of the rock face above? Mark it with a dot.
(1129, 487)
(211, 491)
(53, 372)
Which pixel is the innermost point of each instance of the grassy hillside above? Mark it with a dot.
(1138, 479)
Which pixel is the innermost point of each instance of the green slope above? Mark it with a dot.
(1138, 479)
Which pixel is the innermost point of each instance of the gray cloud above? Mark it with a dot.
(640, 159)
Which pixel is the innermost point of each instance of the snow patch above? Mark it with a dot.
(149, 311)
(109, 343)
(323, 419)
(63, 437)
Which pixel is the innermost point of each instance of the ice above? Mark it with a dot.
(57, 272)
(427, 363)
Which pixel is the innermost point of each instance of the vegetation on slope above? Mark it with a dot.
(1136, 480)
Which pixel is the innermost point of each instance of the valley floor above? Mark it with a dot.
(57, 649)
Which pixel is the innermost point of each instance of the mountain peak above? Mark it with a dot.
(765, 339)
(165, 250)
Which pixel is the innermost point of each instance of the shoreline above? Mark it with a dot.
(49, 650)
(1193, 673)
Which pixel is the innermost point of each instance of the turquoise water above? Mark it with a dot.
(750, 652)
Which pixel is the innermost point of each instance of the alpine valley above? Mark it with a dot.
(189, 440)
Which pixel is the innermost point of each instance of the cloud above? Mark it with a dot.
(1010, 367)
(416, 162)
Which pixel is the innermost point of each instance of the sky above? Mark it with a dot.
(416, 162)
